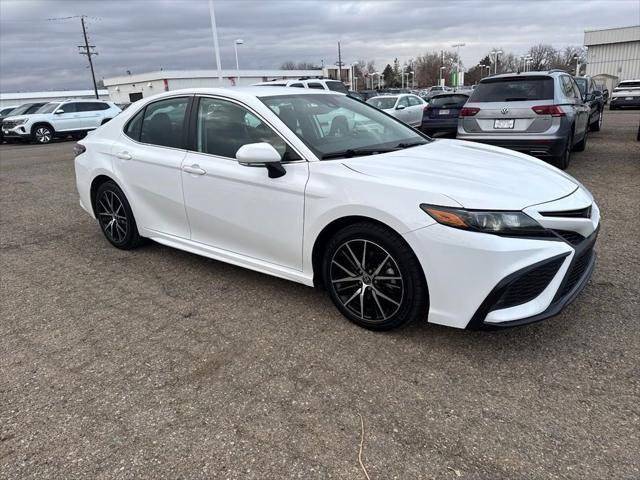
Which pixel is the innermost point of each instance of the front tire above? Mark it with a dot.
(42, 134)
(115, 217)
(374, 278)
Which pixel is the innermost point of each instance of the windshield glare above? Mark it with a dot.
(382, 102)
(48, 108)
(331, 124)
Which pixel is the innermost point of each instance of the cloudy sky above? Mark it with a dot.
(143, 35)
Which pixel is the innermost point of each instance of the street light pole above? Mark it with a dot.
(216, 47)
(496, 53)
(239, 41)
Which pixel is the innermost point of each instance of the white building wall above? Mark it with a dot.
(614, 51)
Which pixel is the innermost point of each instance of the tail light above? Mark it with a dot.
(426, 107)
(469, 111)
(553, 110)
(79, 149)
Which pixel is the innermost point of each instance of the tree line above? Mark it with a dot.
(427, 68)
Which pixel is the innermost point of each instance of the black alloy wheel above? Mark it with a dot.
(115, 217)
(374, 278)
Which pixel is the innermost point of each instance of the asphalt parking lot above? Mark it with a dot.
(157, 363)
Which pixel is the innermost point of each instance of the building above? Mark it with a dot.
(130, 88)
(613, 54)
(10, 99)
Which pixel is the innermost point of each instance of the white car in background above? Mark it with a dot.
(313, 83)
(60, 119)
(406, 107)
(395, 225)
(626, 94)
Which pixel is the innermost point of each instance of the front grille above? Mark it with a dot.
(574, 238)
(576, 271)
(528, 286)
(580, 213)
(9, 124)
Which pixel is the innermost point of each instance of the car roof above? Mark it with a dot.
(549, 73)
(248, 92)
(92, 100)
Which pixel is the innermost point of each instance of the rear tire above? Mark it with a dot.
(582, 144)
(116, 218)
(389, 291)
(597, 125)
(562, 161)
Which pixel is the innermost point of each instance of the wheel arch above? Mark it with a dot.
(42, 123)
(328, 231)
(95, 184)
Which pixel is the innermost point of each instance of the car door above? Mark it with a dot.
(416, 109)
(88, 115)
(402, 109)
(582, 109)
(65, 117)
(147, 159)
(235, 207)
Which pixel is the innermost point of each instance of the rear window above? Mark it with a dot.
(448, 101)
(628, 85)
(514, 89)
(337, 87)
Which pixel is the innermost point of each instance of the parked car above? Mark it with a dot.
(538, 113)
(592, 97)
(397, 227)
(314, 83)
(407, 108)
(60, 119)
(24, 109)
(626, 94)
(441, 113)
(5, 111)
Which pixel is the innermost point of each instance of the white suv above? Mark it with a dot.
(317, 83)
(60, 119)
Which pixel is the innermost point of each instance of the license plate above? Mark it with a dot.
(628, 98)
(444, 112)
(501, 124)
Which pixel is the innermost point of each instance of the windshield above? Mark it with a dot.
(335, 126)
(382, 102)
(48, 108)
(582, 84)
(513, 89)
(22, 109)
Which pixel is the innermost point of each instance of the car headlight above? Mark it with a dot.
(490, 221)
(19, 122)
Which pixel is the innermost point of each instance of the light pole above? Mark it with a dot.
(238, 41)
(577, 59)
(214, 33)
(354, 64)
(441, 70)
(496, 53)
(413, 79)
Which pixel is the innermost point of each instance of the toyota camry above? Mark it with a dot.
(322, 189)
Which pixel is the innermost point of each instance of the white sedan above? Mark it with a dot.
(396, 226)
(408, 108)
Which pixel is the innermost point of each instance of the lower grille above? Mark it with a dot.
(580, 213)
(574, 238)
(528, 286)
(576, 271)
(9, 124)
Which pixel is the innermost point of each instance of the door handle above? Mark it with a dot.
(194, 169)
(124, 155)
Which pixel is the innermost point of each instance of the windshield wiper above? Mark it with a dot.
(357, 152)
(409, 145)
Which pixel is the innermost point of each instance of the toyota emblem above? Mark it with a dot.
(505, 110)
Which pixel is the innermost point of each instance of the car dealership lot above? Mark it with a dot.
(158, 363)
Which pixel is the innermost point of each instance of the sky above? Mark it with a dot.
(37, 53)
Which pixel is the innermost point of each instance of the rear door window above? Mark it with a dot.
(514, 89)
(414, 101)
(337, 87)
(317, 86)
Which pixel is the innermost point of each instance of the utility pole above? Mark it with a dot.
(339, 63)
(88, 50)
(214, 33)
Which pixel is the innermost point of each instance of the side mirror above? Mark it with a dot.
(59, 111)
(262, 154)
(597, 93)
(400, 107)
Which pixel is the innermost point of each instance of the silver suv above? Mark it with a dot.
(539, 113)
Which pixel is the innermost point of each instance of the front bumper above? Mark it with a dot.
(19, 131)
(541, 147)
(480, 280)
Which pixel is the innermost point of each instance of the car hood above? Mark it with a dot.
(474, 175)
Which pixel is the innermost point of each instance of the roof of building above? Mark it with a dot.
(176, 74)
(612, 35)
(53, 94)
